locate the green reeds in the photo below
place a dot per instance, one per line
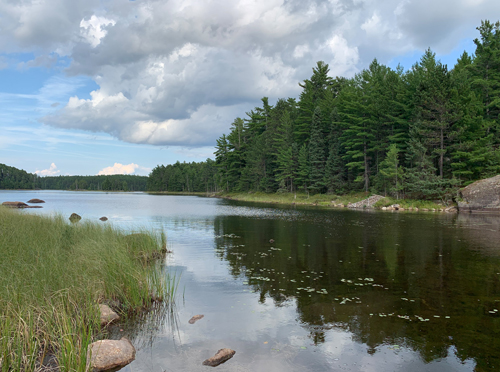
(53, 274)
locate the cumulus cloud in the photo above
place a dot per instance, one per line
(118, 168)
(178, 72)
(52, 171)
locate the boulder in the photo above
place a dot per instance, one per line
(367, 203)
(222, 356)
(34, 201)
(74, 217)
(195, 318)
(103, 218)
(15, 204)
(107, 315)
(108, 354)
(481, 196)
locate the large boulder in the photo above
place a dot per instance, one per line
(110, 354)
(481, 196)
(36, 201)
(367, 203)
(75, 217)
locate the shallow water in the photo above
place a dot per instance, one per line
(335, 290)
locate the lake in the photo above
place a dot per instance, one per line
(310, 289)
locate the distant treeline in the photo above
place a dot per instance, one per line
(420, 133)
(13, 178)
(185, 177)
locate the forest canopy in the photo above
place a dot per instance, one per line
(420, 133)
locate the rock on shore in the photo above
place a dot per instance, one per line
(108, 354)
(107, 315)
(15, 204)
(367, 203)
(33, 201)
(481, 196)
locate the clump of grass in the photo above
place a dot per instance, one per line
(53, 276)
(409, 203)
(298, 198)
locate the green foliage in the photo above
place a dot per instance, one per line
(55, 273)
(344, 135)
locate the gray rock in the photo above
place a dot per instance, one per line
(108, 354)
(107, 315)
(75, 217)
(223, 355)
(195, 318)
(481, 196)
(367, 203)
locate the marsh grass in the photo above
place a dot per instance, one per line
(53, 275)
(300, 198)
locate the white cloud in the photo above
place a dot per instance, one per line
(118, 168)
(52, 171)
(170, 73)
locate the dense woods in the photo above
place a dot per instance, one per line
(418, 133)
(185, 177)
(13, 178)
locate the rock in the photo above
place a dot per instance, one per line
(451, 210)
(384, 208)
(195, 318)
(36, 201)
(108, 354)
(222, 356)
(74, 217)
(367, 203)
(103, 218)
(15, 204)
(481, 196)
(107, 315)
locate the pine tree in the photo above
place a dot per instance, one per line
(303, 168)
(316, 154)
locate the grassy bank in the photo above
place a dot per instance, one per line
(54, 274)
(327, 200)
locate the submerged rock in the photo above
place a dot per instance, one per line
(103, 218)
(107, 315)
(223, 355)
(15, 204)
(481, 196)
(36, 201)
(75, 217)
(195, 318)
(108, 354)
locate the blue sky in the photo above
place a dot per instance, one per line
(113, 86)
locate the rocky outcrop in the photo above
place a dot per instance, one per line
(75, 217)
(103, 218)
(367, 203)
(481, 196)
(195, 318)
(107, 315)
(15, 204)
(34, 201)
(223, 355)
(109, 354)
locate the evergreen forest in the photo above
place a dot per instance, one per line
(420, 133)
(13, 178)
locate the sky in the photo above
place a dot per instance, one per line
(116, 86)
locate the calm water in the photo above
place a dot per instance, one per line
(336, 290)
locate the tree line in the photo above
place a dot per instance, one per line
(418, 133)
(13, 178)
(185, 177)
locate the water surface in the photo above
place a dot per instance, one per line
(308, 289)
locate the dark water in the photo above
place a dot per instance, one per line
(336, 290)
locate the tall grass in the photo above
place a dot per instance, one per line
(53, 274)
